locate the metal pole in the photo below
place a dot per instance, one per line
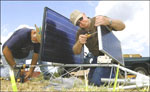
(131, 87)
(129, 81)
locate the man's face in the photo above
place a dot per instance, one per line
(83, 22)
(33, 37)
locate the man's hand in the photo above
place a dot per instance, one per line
(116, 24)
(28, 75)
(101, 20)
(33, 62)
(83, 38)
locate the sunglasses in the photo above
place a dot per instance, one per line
(78, 22)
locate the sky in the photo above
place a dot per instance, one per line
(135, 14)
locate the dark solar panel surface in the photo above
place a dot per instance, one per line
(58, 38)
(110, 45)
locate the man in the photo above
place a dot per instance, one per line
(22, 45)
(89, 25)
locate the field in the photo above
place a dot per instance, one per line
(39, 84)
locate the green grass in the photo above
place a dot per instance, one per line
(38, 84)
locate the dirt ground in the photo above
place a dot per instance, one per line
(36, 84)
(39, 84)
(28, 86)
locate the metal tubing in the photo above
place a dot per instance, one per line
(128, 81)
(131, 87)
(87, 65)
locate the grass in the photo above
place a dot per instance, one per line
(38, 84)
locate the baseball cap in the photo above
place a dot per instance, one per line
(75, 16)
(38, 33)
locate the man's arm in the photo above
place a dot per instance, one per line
(77, 48)
(117, 24)
(9, 57)
(33, 62)
(106, 21)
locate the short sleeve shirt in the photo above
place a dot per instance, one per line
(20, 43)
(92, 42)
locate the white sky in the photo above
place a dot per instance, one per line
(135, 14)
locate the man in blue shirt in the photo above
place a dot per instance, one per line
(22, 45)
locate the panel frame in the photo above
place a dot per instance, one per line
(100, 45)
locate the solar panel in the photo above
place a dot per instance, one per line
(109, 44)
(58, 38)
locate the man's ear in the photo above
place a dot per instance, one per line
(33, 31)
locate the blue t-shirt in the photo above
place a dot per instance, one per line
(20, 43)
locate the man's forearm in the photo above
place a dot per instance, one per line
(9, 57)
(117, 25)
(77, 48)
(34, 61)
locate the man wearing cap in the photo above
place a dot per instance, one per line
(89, 25)
(22, 45)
